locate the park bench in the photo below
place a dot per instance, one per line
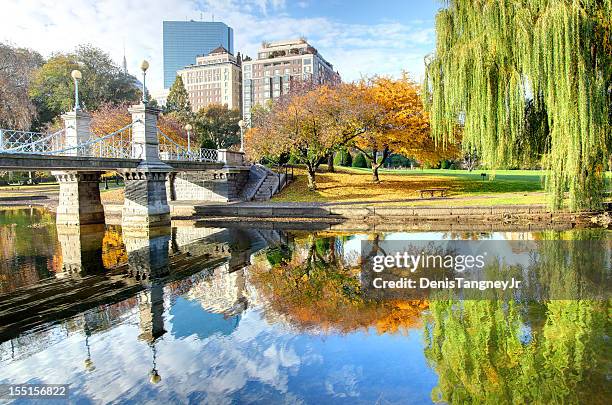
(432, 191)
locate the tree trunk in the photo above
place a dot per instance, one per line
(312, 184)
(375, 167)
(330, 163)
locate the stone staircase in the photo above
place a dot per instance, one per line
(268, 188)
(263, 183)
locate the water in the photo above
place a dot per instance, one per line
(202, 315)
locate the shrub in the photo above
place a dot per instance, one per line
(360, 161)
(343, 158)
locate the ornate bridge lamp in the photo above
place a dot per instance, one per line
(89, 365)
(144, 65)
(76, 76)
(188, 128)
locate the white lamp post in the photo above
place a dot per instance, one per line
(188, 128)
(76, 76)
(144, 65)
(241, 125)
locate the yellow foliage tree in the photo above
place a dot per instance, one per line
(403, 126)
(310, 123)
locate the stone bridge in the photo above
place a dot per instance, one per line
(155, 168)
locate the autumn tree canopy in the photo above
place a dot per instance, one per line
(16, 68)
(310, 123)
(402, 125)
(378, 116)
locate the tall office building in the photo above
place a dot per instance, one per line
(278, 65)
(214, 79)
(185, 40)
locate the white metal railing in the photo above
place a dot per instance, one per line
(118, 144)
(12, 141)
(170, 150)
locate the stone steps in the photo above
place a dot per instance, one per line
(256, 174)
(267, 188)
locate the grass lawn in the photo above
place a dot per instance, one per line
(400, 187)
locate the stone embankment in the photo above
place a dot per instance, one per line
(366, 217)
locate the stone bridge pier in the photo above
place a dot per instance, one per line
(79, 195)
(146, 202)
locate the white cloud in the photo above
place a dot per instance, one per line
(354, 49)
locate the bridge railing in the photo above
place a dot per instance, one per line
(118, 144)
(171, 150)
(13, 141)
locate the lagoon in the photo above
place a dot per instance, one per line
(244, 315)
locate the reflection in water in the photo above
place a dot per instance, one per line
(28, 248)
(81, 249)
(481, 355)
(193, 315)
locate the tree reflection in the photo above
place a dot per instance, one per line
(316, 291)
(498, 352)
(508, 351)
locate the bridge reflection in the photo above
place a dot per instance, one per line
(162, 263)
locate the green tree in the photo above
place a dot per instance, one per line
(360, 160)
(491, 57)
(178, 98)
(217, 126)
(343, 158)
(16, 67)
(104, 82)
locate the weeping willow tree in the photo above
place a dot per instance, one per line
(496, 58)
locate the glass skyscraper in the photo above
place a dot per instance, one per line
(184, 40)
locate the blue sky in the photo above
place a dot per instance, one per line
(365, 12)
(358, 37)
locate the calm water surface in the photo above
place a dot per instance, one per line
(214, 315)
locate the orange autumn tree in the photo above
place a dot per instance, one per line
(310, 123)
(402, 127)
